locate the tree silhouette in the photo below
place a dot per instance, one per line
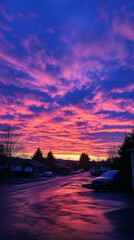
(128, 143)
(13, 143)
(84, 161)
(50, 158)
(38, 156)
(112, 152)
(2, 152)
(125, 157)
(4, 162)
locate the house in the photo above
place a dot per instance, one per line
(33, 168)
(3, 164)
(16, 164)
(25, 167)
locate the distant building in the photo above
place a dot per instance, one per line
(3, 164)
(16, 164)
(26, 167)
(34, 167)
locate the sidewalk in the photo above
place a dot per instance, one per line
(16, 181)
(123, 222)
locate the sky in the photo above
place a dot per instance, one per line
(67, 74)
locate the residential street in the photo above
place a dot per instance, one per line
(61, 209)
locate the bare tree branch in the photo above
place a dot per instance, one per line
(14, 144)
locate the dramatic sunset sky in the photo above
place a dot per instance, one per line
(67, 73)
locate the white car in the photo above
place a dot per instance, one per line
(78, 171)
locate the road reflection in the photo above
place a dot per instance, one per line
(57, 210)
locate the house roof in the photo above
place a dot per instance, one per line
(35, 163)
(3, 162)
(131, 150)
(16, 161)
(22, 162)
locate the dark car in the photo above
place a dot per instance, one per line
(110, 180)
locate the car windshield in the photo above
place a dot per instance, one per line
(110, 174)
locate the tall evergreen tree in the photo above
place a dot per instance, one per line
(128, 143)
(38, 156)
(125, 156)
(84, 161)
(50, 158)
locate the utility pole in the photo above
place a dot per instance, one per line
(132, 165)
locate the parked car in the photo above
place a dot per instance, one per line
(82, 170)
(110, 180)
(78, 171)
(48, 174)
(64, 172)
(72, 172)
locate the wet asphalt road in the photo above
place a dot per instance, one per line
(60, 209)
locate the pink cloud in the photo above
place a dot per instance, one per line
(40, 57)
(7, 16)
(65, 133)
(128, 88)
(42, 78)
(107, 50)
(119, 105)
(72, 67)
(5, 27)
(10, 17)
(124, 28)
(129, 105)
(31, 39)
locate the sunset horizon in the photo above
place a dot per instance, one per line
(72, 157)
(66, 119)
(66, 76)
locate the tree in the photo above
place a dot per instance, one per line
(125, 157)
(3, 161)
(2, 153)
(12, 143)
(128, 143)
(38, 156)
(84, 161)
(112, 152)
(50, 158)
